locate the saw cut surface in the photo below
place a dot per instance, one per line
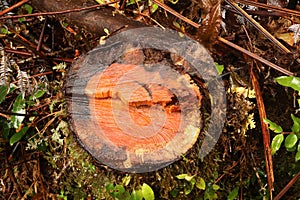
(136, 108)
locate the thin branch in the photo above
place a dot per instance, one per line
(173, 12)
(59, 12)
(41, 36)
(20, 114)
(270, 7)
(256, 57)
(13, 7)
(265, 131)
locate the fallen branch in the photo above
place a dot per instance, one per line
(265, 131)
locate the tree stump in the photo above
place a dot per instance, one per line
(134, 105)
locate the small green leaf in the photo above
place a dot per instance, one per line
(119, 190)
(233, 194)
(3, 92)
(289, 81)
(21, 19)
(220, 68)
(200, 184)
(37, 95)
(276, 143)
(296, 125)
(290, 141)
(18, 136)
(147, 192)
(188, 189)
(273, 126)
(4, 31)
(297, 157)
(181, 176)
(136, 195)
(110, 188)
(189, 178)
(28, 8)
(291, 149)
(18, 107)
(154, 8)
(215, 187)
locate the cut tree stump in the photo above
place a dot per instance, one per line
(133, 107)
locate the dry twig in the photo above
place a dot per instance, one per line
(173, 12)
(13, 7)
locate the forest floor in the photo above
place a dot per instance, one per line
(40, 157)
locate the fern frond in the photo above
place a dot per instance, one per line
(5, 70)
(22, 79)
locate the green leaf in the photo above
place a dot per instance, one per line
(296, 125)
(188, 189)
(181, 176)
(233, 194)
(154, 8)
(220, 68)
(21, 19)
(147, 192)
(28, 8)
(119, 189)
(136, 195)
(276, 143)
(289, 81)
(215, 187)
(291, 149)
(200, 184)
(110, 189)
(273, 126)
(37, 95)
(18, 136)
(4, 31)
(18, 107)
(297, 156)
(290, 141)
(189, 178)
(3, 92)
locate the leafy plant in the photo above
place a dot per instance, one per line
(25, 9)
(210, 192)
(119, 192)
(293, 138)
(191, 183)
(219, 68)
(290, 142)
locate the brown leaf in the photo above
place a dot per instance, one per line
(211, 22)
